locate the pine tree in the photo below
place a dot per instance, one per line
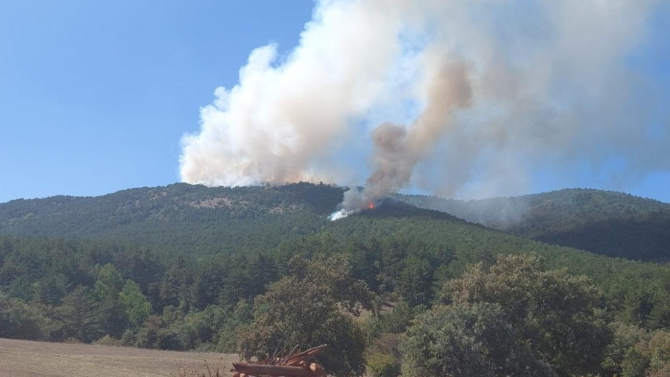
(80, 316)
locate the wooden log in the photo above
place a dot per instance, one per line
(317, 370)
(276, 370)
(302, 357)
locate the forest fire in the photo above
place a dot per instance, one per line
(358, 207)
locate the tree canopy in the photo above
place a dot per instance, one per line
(306, 309)
(543, 318)
(251, 270)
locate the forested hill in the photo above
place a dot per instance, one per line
(218, 269)
(180, 217)
(603, 222)
(194, 219)
(189, 219)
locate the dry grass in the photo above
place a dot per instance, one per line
(218, 370)
(19, 358)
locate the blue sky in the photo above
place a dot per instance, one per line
(95, 95)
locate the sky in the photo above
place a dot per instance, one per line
(95, 96)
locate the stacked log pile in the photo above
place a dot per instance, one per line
(292, 365)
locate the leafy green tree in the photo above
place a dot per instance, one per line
(636, 352)
(207, 285)
(395, 321)
(109, 282)
(173, 330)
(334, 275)
(80, 316)
(22, 288)
(636, 362)
(621, 352)
(262, 272)
(233, 325)
(463, 340)
(141, 266)
(172, 289)
(558, 314)
(51, 289)
(19, 320)
(237, 281)
(108, 285)
(136, 305)
(383, 365)
(153, 334)
(113, 316)
(415, 282)
(659, 350)
(304, 310)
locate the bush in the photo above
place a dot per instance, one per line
(468, 340)
(108, 341)
(559, 314)
(305, 309)
(21, 321)
(387, 344)
(71, 340)
(383, 365)
(394, 322)
(128, 339)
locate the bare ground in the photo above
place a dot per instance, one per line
(20, 358)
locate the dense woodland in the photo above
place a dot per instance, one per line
(603, 222)
(395, 290)
(194, 219)
(180, 218)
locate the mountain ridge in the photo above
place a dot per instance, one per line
(605, 222)
(182, 217)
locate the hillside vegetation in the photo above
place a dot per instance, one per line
(603, 222)
(254, 269)
(179, 218)
(194, 219)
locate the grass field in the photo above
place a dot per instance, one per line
(19, 358)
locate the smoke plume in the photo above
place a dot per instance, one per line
(464, 98)
(398, 149)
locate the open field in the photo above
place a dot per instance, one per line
(19, 358)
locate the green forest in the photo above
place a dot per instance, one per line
(603, 222)
(398, 290)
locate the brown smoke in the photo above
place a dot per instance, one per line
(397, 150)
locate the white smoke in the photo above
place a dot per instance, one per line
(473, 98)
(341, 214)
(282, 121)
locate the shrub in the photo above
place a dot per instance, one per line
(383, 365)
(108, 341)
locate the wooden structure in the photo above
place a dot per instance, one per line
(292, 365)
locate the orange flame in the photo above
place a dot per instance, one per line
(371, 205)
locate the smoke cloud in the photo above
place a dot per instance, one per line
(460, 98)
